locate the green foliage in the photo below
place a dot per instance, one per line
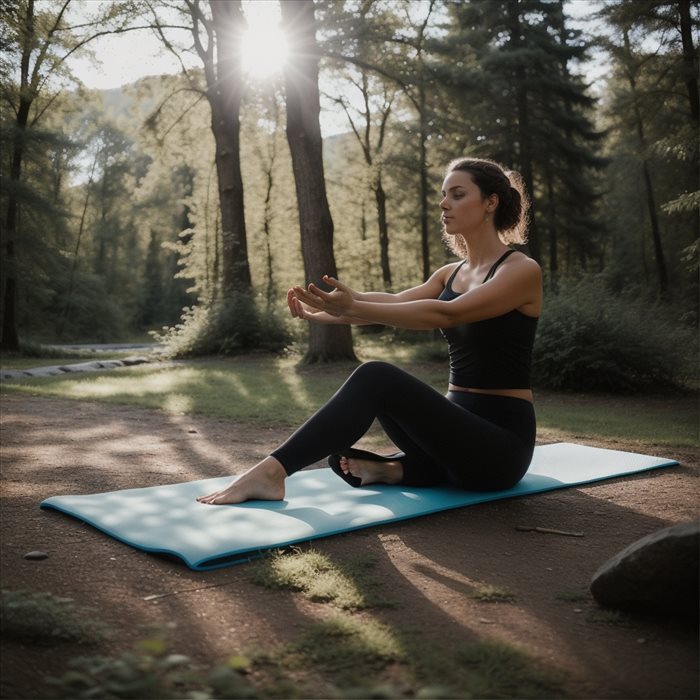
(591, 339)
(230, 326)
(152, 673)
(43, 618)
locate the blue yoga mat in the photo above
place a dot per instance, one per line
(168, 519)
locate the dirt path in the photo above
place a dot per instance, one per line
(52, 447)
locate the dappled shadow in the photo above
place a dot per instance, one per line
(430, 565)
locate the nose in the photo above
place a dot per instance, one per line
(443, 203)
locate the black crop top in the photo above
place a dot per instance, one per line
(495, 353)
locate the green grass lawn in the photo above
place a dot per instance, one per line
(275, 390)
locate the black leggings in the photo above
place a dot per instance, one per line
(474, 441)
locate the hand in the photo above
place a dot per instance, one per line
(337, 303)
(304, 312)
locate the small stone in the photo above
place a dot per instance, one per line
(549, 568)
(36, 555)
(578, 610)
(484, 621)
(641, 640)
(191, 430)
(656, 574)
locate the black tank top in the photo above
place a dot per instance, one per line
(495, 353)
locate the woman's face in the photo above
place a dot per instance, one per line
(463, 206)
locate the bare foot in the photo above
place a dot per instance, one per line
(373, 472)
(264, 481)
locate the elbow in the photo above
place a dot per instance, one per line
(448, 317)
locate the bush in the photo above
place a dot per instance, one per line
(590, 339)
(152, 673)
(42, 618)
(231, 326)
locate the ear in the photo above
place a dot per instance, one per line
(492, 204)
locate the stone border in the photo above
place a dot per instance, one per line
(54, 370)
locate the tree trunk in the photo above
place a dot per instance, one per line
(525, 148)
(690, 61)
(553, 242)
(10, 336)
(423, 175)
(326, 343)
(380, 197)
(224, 94)
(646, 174)
(690, 64)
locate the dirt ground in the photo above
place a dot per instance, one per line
(52, 447)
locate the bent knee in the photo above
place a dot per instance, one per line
(374, 370)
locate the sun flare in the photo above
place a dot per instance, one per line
(264, 44)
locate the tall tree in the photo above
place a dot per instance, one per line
(511, 80)
(39, 39)
(654, 94)
(326, 342)
(224, 88)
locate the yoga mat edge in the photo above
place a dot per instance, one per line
(377, 500)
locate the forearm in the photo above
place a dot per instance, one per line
(422, 314)
(327, 319)
(377, 297)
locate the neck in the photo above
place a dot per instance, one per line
(484, 247)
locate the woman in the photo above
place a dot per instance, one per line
(481, 435)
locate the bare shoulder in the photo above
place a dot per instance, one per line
(524, 265)
(443, 273)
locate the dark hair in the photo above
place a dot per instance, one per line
(511, 215)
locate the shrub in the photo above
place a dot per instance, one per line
(151, 673)
(42, 618)
(590, 339)
(231, 326)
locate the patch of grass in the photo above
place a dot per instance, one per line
(493, 669)
(350, 645)
(43, 618)
(348, 586)
(345, 653)
(243, 389)
(487, 593)
(608, 617)
(276, 390)
(572, 596)
(660, 420)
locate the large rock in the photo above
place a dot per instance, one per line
(657, 574)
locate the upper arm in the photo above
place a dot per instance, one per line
(517, 284)
(430, 289)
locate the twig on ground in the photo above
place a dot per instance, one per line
(547, 531)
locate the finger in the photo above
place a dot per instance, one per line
(309, 298)
(335, 283)
(292, 303)
(316, 291)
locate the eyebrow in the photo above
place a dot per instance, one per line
(454, 187)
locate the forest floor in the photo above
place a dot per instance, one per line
(429, 567)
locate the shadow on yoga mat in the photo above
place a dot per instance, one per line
(168, 519)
